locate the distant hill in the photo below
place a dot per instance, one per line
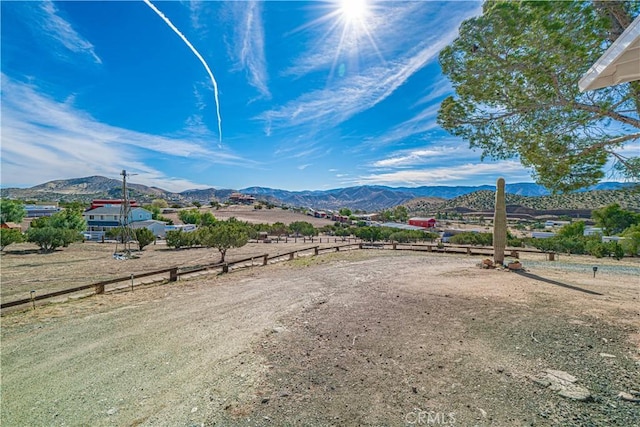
(367, 198)
(581, 203)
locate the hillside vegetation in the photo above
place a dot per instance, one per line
(484, 201)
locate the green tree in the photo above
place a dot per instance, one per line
(613, 219)
(69, 218)
(12, 211)
(155, 211)
(345, 212)
(190, 216)
(144, 237)
(302, 228)
(197, 204)
(401, 214)
(206, 219)
(50, 238)
(631, 242)
(60, 229)
(182, 239)
(278, 229)
(9, 236)
(575, 229)
(224, 236)
(159, 203)
(515, 70)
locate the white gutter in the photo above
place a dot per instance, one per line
(619, 64)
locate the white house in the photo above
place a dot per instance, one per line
(105, 218)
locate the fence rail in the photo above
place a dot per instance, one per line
(176, 272)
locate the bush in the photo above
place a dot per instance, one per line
(180, 239)
(9, 236)
(144, 236)
(50, 238)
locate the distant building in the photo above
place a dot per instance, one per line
(157, 227)
(242, 199)
(100, 203)
(178, 227)
(399, 226)
(423, 222)
(38, 211)
(107, 217)
(11, 226)
(339, 218)
(591, 231)
(542, 234)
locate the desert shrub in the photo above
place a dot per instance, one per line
(9, 236)
(182, 239)
(144, 236)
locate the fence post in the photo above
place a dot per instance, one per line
(394, 246)
(291, 255)
(264, 259)
(469, 250)
(360, 245)
(429, 248)
(225, 268)
(315, 250)
(99, 289)
(173, 274)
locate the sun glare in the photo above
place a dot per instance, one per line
(353, 10)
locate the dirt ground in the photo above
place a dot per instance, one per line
(24, 269)
(258, 216)
(347, 339)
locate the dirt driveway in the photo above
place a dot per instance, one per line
(358, 338)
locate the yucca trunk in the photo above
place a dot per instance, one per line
(499, 224)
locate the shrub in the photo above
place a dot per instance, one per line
(144, 236)
(9, 236)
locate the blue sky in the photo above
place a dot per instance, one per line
(311, 95)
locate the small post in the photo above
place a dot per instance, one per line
(132, 283)
(33, 299)
(291, 255)
(99, 289)
(468, 250)
(594, 270)
(225, 268)
(315, 250)
(394, 246)
(173, 274)
(264, 259)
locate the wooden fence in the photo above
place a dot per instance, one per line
(175, 272)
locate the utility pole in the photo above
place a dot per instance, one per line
(127, 234)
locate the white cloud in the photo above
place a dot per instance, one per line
(249, 48)
(303, 167)
(63, 32)
(355, 94)
(441, 87)
(43, 140)
(407, 53)
(417, 157)
(470, 173)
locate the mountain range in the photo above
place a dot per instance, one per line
(367, 198)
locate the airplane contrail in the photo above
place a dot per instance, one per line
(196, 53)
